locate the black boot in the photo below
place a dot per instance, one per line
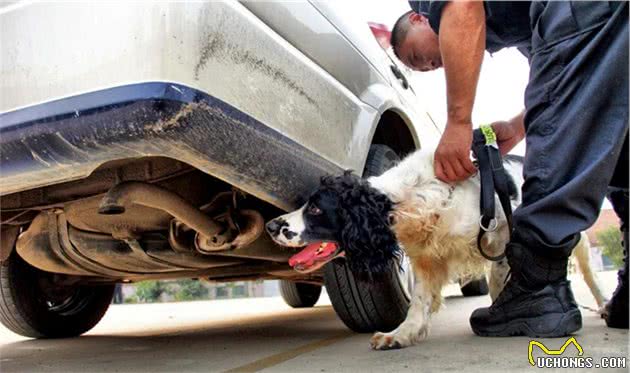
(536, 301)
(616, 314)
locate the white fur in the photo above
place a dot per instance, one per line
(449, 218)
(437, 224)
(296, 225)
(416, 326)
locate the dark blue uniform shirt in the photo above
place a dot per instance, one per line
(507, 22)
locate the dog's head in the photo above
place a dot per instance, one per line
(345, 216)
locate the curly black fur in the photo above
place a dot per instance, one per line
(365, 234)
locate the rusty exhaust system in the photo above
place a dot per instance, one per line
(211, 235)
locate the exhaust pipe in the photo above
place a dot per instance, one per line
(210, 235)
(153, 196)
(254, 224)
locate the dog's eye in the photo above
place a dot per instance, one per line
(314, 210)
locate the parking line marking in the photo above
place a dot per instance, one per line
(281, 357)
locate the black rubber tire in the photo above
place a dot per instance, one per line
(475, 288)
(363, 308)
(23, 307)
(299, 294)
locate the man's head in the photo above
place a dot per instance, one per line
(415, 43)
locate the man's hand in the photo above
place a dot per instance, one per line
(509, 133)
(462, 42)
(452, 157)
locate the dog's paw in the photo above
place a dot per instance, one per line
(399, 338)
(385, 341)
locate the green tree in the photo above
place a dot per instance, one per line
(610, 241)
(149, 291)
(132, 299)
(190, 289)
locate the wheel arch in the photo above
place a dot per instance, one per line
(395, 130)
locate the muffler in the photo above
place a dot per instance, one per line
(52, 245)
(252, 229)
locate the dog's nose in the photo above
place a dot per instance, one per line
(273, 227)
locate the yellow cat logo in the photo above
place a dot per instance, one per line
(553, 352)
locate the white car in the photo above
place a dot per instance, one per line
(153, 140)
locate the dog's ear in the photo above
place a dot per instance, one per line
(370, 245)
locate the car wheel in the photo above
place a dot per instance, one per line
(32, 305)
(475, 287)
(375, 307)
(299, 294)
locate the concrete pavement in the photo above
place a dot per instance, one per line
(264, 334)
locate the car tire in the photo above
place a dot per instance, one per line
(370, 307)
(299, 294)
(475, 288)
(31, 308)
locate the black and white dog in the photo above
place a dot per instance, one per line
(372, 221)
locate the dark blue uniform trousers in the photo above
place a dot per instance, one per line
(576, 121)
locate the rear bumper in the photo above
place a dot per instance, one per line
(67, 139)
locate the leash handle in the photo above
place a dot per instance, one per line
(492, 179)
(485, 175)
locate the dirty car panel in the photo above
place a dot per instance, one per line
(153, 140)
(79, 133)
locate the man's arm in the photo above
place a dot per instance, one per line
(509, 133)
(462, 43)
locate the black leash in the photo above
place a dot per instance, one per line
(493, 179)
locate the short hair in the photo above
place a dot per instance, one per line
(399, 32)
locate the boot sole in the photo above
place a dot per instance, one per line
(545, 326)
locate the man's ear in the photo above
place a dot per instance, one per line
(416, 18)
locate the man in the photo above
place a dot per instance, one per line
(576, 128)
